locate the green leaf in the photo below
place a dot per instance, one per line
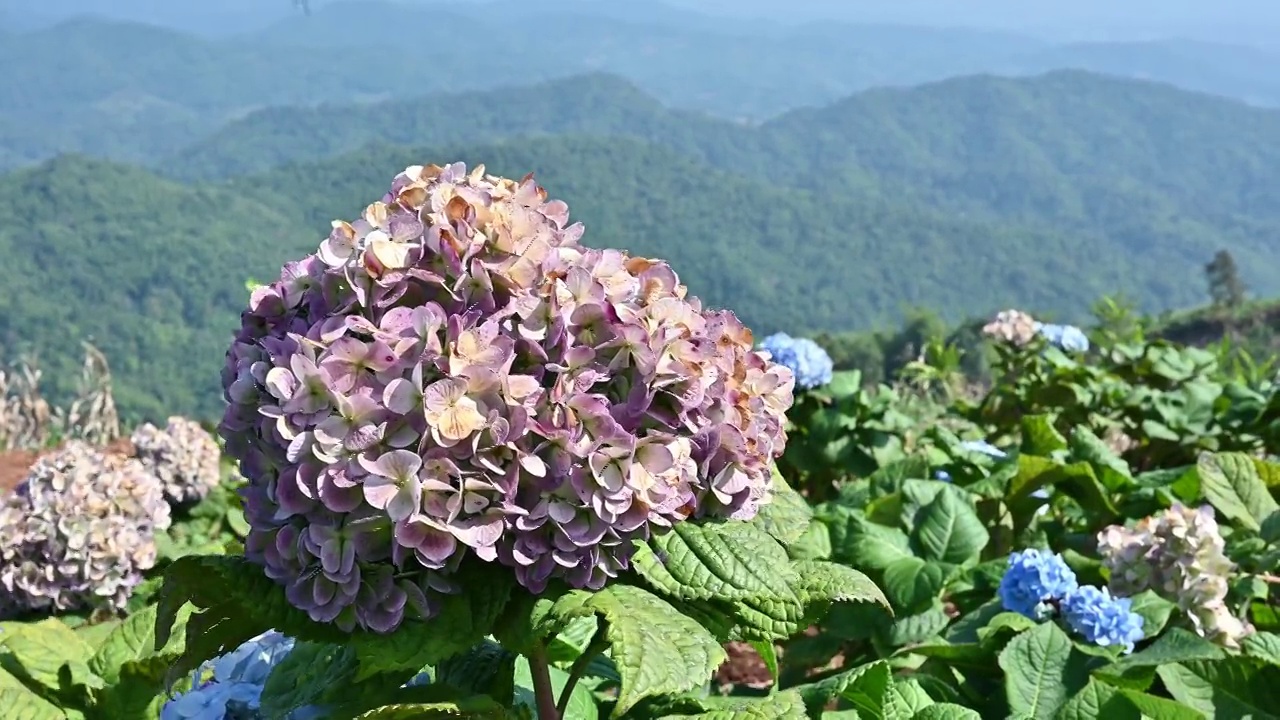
(1177, 645)
(1228, 689)
(787, 515)
(1038, 675)
(305, 675)
(1158, 708)
(1264, 646)
(871, 680)
(946, 711)
(1231, 483)
(134, 639)
(38, 651)
(861, 543)
(139, 690)
(785, 705)
(478, 708)
(238, 602)
(1040, 437)
(949, 530)
(22, 704)
(814, 544)
(581, 704)
(657, 650)
(487, 669)
(717, 560)
(918, 628)
(904, 698)
(463, 620)
(1155, 612)
(821, 581)
(913, 584)
(1097, 700)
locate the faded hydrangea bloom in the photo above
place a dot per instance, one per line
(183, 455)
(1012, 326)
(806, 359)
(1179, 554)
(454, 375)
(79, 532)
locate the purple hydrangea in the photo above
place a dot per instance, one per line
(453, 375)
(1035, 580)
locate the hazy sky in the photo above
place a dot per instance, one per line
(1248, 20)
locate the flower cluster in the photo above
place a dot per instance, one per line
(806, 359)
(1066, 337)
(1179, 554)
(1039, 583)
(79, 531)
(1102, 619)
(1012, 326)
(183, 455)
(453, 375)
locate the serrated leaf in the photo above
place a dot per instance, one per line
(814, 544)
(875, 675)
(462, 621)
(1097, 700)
(236, 602)
(718, 560)
(946, 711)
(1155, 612)
(1038, 676)
(787, 515)
(949, 530)
(38, 651)
(1158, 708)
(912, 629)
(913, 584)
(479, 708)
(1228, 689)
(22, 704)
(657, 650)
(132, 640)
(785, 705)
(487, 669)
(304, 675)
(1264, 646)
(821, 581)
(1040, 437)
(904, 698)
(860, 543)
(1231, 483)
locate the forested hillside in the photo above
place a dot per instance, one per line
(140, 93)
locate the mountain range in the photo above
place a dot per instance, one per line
(966, 195)
(140, 93)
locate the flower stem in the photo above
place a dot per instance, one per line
(595, 647)
(543, 693)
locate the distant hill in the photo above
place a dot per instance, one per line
(139, 93)
(151, 271)
(154, 272)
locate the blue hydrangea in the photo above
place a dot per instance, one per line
(942, 475)
(805, 358)
(1035, 579)
(1102, 619)
(1067, 337)
(984, 447)
(234, 689)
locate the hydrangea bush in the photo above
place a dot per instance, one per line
(453, 375)
(79, 532)
(808, 362)
(183, 455)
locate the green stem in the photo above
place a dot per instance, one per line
(543, 693)
(595, 647)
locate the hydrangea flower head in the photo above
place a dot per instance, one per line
(80, 533)
(1066, 337)
(230, 687)
(1014, 327)
(942, 475)
(1035, 579)
(1181, 555)
(810, 364)
(453, 375)
(183, 455)
(1102, 619)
